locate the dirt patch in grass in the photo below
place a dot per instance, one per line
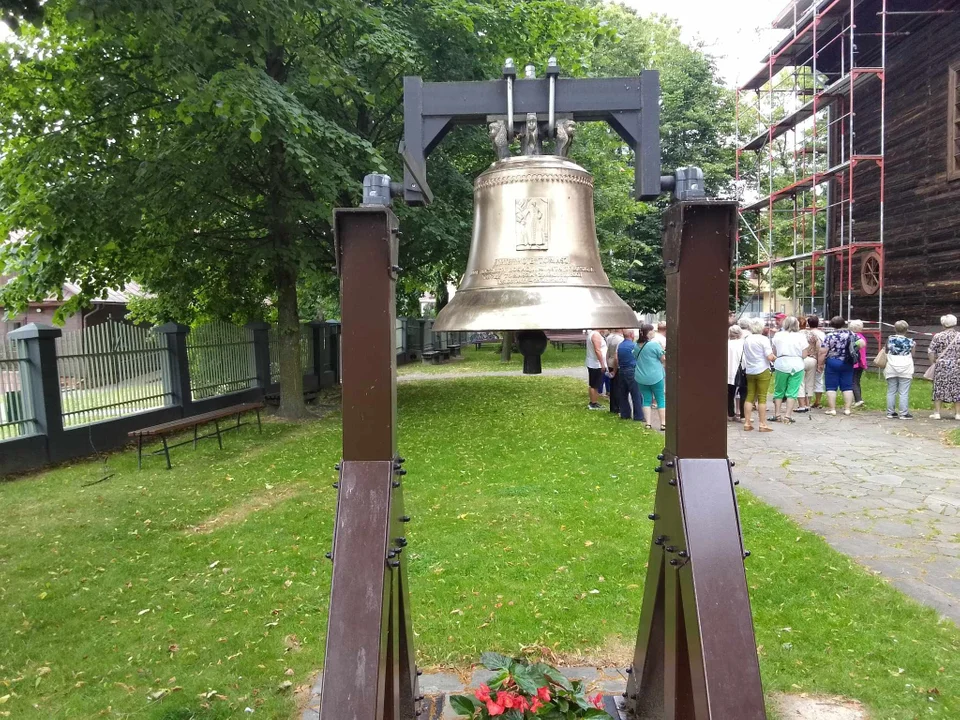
(818, 707)
(238, 513)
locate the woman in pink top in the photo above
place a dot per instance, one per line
(856, 327)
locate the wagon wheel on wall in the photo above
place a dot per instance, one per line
(870, 273)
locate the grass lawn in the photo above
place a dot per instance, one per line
(487, 359)
(196, 593)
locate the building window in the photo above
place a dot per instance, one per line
(953, 123)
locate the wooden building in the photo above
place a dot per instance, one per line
(885, 95)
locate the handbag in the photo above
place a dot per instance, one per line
(928, 375)
(881, 359)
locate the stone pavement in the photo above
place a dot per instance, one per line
(436, 687)
(885, 492)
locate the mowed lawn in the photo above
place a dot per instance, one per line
(200, 592)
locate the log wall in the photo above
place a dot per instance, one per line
(922, 207)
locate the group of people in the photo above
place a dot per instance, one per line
(800, 360)
(628, 364)
(804, 363)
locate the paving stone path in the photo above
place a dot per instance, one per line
(885, 492)
(437, 687)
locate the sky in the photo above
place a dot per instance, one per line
(737, 33)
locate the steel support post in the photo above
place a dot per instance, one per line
(369, 668)
(696, 656)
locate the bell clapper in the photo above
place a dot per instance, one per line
(532, 343)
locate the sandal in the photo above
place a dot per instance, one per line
(766, 429)
(747, 427)
(648, 426)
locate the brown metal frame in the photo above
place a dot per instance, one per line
(369, 671)
(696, 653)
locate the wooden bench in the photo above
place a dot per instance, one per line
(174, 426)
(560, 341)
(436, 357)
(485, 338)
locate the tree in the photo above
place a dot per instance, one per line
(199, 146)
(696, 128)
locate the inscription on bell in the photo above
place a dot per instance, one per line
(533, 271)
(533, 223)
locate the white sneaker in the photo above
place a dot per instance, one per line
(845, 412)
(858, 403)
(830, 412)
(935, 416)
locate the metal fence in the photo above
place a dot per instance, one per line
(220, 357)
(14, 420)
(306, 351)
(110, 370)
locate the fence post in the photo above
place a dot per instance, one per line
(260, 353)
(176, 371)
(333, 349)
(40, 380)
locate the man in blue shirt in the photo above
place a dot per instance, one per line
(629, 389)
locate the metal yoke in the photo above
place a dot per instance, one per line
(696, 656)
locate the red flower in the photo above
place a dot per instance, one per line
(520, 703)
(482, 693)
(535, 705)
(544, 693)
(506, 699)
(494, 708)
(597, 701)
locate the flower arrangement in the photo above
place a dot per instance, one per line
(522, 690)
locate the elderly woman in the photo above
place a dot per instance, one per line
(856, 327)
(945, 356)
(757, 356)
(650, 374)
(734, 372)
(835, 354)
(789, 346)
(899, 371)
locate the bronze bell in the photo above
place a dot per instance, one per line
(534, 260)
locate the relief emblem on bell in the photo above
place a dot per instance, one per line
(533, 224)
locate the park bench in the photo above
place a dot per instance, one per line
(163, 430)
(436, 357)
(560, 341)
(485, 338)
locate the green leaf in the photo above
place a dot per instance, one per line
(526, 680)
(554, 675)
(464, 705)
(495, 661)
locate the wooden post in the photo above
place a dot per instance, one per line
(369, 670)
(696, 656)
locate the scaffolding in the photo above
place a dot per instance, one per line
(805, 170)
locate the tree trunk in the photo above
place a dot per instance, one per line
(507, 346)
(282, 239)
(292, 406)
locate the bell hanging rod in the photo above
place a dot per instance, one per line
(630, 105)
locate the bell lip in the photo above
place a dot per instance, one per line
(485, 309)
